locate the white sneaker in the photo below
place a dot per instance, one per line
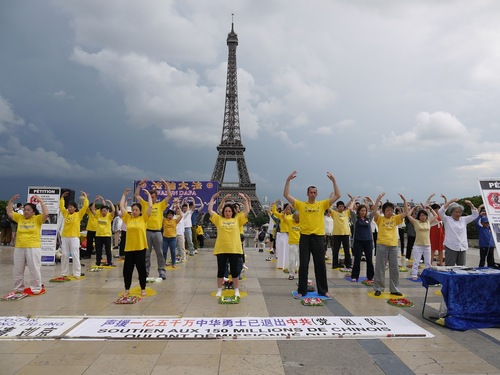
(219, 293)
(236, 293)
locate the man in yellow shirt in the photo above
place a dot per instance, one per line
(312, 233)
(154, 224)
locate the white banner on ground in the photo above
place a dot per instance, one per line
(273, 328)
(490, 191)
(50, 196)
(19, 327)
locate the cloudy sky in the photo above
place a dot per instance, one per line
(389, 95)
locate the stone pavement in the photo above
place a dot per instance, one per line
(187, 292)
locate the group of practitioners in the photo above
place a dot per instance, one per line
(311, 236)
(147, 226)
(151, 226)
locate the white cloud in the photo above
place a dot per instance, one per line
(432, 130)
(341, 126)
(7, 117)
(484, 164)
(61, 94)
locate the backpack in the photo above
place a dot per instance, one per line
(262, 236)
(5, 222)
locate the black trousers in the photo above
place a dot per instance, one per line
(359, 248)
(235, 264)
(409, 246)
(312, 244)
(101, 242)
(90, 243)
(337, 241)
(123, 238)
(135, 259)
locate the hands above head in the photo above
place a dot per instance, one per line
(292, 176)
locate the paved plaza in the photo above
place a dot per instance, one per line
(188, 292)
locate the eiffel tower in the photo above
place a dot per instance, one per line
(231, 149)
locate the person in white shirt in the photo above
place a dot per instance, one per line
(455, 231)
(328, 222)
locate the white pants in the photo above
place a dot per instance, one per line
(417, 253)
(282, 249)
(293, 258)
(70, 245)
(32, 257)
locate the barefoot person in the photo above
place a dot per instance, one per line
(27, 250)
(136, 242)
(228, 244)
(312, 232)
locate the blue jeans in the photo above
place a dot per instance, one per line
(169, 242)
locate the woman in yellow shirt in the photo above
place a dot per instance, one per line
(70, 235)
(228, 244)
(27, 250)
(136, 242)
(170, 233)
(103, 232)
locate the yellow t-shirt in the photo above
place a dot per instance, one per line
(387, 234)
(341, 223)
(136, 232)
(103, 224)
(92, 221)
(199, 230)
(28, 230)
(72, 221)
(228, 234)
(286, 221)
(243, 220)
(156, 218)
(422, 231)
(311, 216)
(294, 233)
(169, 227)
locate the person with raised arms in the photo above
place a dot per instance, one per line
(228, 243)
(27, 249)
(153, 232)
(312, 233)
(135, 242)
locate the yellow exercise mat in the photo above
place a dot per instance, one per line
(73, 278)
(136, 292)
(385, 295)
(171, 268)
(229, 293)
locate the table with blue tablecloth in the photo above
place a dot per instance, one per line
(472, 297)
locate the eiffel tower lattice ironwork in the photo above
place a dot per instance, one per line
(231, 148)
